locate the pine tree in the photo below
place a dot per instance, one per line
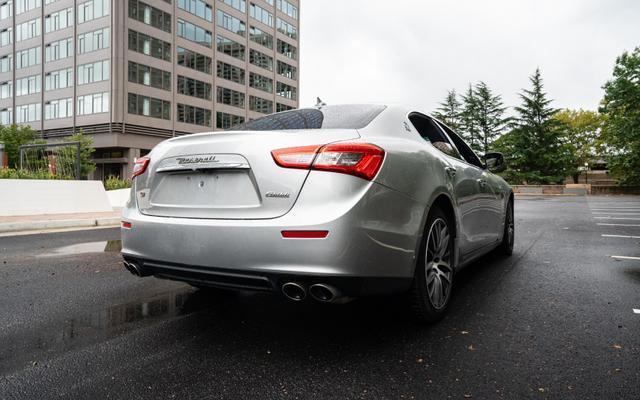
(489, 111)
(469, 119)
(534, 149)
(449, 110)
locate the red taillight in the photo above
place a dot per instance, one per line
(305, 234)
(126, 225)
(359, 159)
(140, 166)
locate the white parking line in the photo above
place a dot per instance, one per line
(603, 224)
(615, 213)
(633, 218)
(622, 236)
(625, 258)
(636, 311)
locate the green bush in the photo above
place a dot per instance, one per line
(114, 183)
(10, 173)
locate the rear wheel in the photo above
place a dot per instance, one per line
(433, 278)
(506, 247)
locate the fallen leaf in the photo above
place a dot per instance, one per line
(419, 360)
(464, 332)
(471, 348)
(541, 390)
(617, 346)
(467, 396)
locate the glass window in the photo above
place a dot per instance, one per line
(226, 121)
(287, 8)
(193, 115)
(286, 28)
(260, 105)
(287, 70)
(150, 46)
(93, 72)
(6, 9)
(6, 116)
(288, 50)
(6, 63)
(462, 147)
(260, 59)
(148, 106)
(193, 60)
(286, 91)
(261, 82)
(328, 117)
(149, 76)
(6, 37)
(92, 41)
(198, 8)
(6, 90)
(230, 23)
(26, 5)
(28, 113)
(59, 79)
(28, 85)
(240, 5)
(260, 14)
(193, 87)
(231, 72)
(95, 103)
(283, 107)
(261, 37)
(230, 97)
(60, 108)
(26, 58)
(92, 9)
(58, 50)
(194, 33)
(28, 30)
(58, 20)
(149, 15)
(230, 47)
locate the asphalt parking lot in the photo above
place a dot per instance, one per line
(560, 319)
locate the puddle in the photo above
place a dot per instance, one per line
(85, 248)
(20, 348)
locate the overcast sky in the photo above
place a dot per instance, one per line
(412, 52)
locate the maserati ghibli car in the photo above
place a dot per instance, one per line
(329, 203)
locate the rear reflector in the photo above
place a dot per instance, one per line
(126, 225)
(358, 159)
(140, 166)
(305, 234)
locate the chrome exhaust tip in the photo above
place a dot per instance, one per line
(324, 293)
(133, 268)
(294, 291)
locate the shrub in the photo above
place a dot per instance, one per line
(114, 183)
(10, 173)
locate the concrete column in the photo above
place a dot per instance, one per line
(127, 169)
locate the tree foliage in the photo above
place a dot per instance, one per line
(490, 118)
(534, 149)
(14, 136)
(449, 111)
(621, 104)
(582, 130)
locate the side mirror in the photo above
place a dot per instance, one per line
(494, 162)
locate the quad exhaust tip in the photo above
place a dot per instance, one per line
(133, 268)
(294, 291)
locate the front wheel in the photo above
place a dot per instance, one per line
(433, 278)
(508, 236)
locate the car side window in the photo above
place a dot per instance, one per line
(428, 129)
(465, 151)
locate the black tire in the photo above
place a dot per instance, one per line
(425, 309)
(508, 235)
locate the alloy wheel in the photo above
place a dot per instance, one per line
(438, 269)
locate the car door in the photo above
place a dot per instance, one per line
(487, 217)
(464, 181)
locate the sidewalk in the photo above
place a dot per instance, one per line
(59, 221)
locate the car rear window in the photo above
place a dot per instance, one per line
(326, 117)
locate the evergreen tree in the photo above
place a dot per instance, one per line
(449, 111)
(469, 119)
(621, 104)
(489, 111)
(534, 149)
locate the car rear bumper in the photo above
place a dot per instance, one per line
(370, 247)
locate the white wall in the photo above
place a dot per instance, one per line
(33, 197)
(118, 198)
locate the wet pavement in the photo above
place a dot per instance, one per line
(555, 320)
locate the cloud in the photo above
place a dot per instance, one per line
(412, 52)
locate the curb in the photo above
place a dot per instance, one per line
(548, 194)
(57, 224)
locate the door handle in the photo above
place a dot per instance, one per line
(450, 171)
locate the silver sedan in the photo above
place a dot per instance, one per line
(331, 203)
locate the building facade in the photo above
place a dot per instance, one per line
(132, 73)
